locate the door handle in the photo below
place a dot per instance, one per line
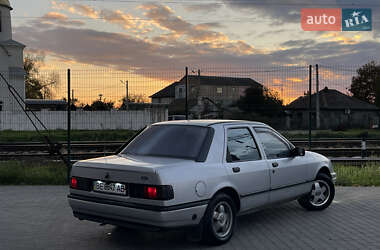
(274, 164)
(236, 169)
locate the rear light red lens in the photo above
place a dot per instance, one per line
(150, 192)
(153, 192)
(74, 182)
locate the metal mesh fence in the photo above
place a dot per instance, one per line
(106, 104)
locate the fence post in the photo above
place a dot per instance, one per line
(186, 96)
(310, 89)
(317, 111)
(68, 123)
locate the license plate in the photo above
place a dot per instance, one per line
(111, 188)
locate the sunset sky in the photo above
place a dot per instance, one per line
(150, 42)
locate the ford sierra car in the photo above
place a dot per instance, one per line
(199, 174)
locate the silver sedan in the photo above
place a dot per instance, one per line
(199, 174)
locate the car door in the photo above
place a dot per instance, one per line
(247, 169)
(287, 174)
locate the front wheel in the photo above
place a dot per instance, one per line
(321, 195)
(219, 220)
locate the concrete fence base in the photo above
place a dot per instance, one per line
(84, 120)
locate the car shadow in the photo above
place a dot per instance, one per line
(173, 239)
(258, 222)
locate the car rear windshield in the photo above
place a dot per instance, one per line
(178, 141)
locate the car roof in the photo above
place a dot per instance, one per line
(206, 123)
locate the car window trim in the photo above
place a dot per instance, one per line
(286, 141)
(254, 140)
(279, 136)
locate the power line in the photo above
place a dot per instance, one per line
(247, 2)
(149, 19)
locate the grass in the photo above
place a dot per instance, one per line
(55, 173)
(32, 173)
(61, 135)
(367, 175)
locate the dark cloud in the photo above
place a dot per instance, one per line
(279, 12)
(288, 11)
(298, 43)
(123, 51)
(207, 7)
(114, 49)
(210, 25)
(376, 24)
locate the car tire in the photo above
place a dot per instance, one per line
(321, 194)
(219, 220)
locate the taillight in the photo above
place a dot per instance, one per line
(150, 192)
(74, 182)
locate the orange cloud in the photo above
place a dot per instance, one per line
(59, 18)
(165, 18)
(342, 39)
(294, 79)
(126, 21)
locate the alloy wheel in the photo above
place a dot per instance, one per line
(222, 219)
(320, 193)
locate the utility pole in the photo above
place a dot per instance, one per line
(317, 118)
(68, 123)
(126, 93)
(72, 97)
(186, 96)
(310, 89)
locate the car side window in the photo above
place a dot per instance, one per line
(241, 146)
(274, 146)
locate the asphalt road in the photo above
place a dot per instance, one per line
(38, 217)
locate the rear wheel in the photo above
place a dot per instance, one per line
(219, 220)
(321, 195)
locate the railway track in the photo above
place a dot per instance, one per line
(331, 147)
(42, 147)
(327, 142)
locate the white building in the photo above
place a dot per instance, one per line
(11, 60)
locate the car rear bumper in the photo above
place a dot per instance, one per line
(135, 216)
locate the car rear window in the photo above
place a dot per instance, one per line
(179, 141)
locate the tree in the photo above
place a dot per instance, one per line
(35, 86)
(73, 103)
(261, 101)
(366, 84)
(132, 98)
(100, 105)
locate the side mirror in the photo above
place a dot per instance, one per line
(297, 152)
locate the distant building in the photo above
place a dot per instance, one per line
(11, 60)
(165, 95)
(337, 110)
(210, 91)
